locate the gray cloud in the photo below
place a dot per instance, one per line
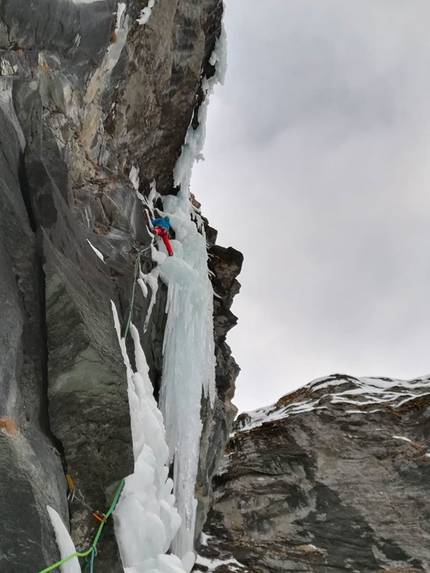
(317, 170)
(297, 60)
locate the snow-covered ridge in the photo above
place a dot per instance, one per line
(359, 395)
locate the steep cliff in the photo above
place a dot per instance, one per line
(333, 477)
(101, 103)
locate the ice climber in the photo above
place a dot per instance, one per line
(161, 228)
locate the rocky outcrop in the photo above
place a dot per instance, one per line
(333, 477)
(95, 103)
(30, 467)
(224, 265)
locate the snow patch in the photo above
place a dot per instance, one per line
(64, 542)
(151, 280)
(365, 392)
(97, 252)
(224, 464)
(102, 76)
(362, 411)
(134, 177)
(153, 193)
(272, 414)
(212, 564)
(146, 13)
(204, 539)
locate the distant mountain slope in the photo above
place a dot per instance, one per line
(332, 478)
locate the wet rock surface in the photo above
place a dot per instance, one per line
(330, 478)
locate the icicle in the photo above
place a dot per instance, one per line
(64, 542)
(152, 280)
(188, 348)
(188, 371)
(145, 518)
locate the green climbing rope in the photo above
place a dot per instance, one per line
(90, 553)
(100, 529)
(136, 272)
(77, 554)
(92, 548)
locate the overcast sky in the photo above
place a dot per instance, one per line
(318, 169)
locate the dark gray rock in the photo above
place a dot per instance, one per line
(73, 36)
(31, 479)
(224, 265)
(30, 470)
(331, 478)
(88, 401)
(11, 332)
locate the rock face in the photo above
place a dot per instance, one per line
(331, 478)
(30, 468)
(96, 98)
(225, 265)
(95, 103)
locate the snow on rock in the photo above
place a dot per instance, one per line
(320, 486)
(64, 542)
(146, 13)
(195, 138)
(204, 540)
(97, 252)
(134, 177)
(145, 518)
(213, 564)
(158, 256)
(150, 280)
(340, 389)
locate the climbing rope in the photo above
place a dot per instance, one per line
(75, 494)
(93, 547)
(100, 529)
(136, 272)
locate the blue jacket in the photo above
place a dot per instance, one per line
(161, 222)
